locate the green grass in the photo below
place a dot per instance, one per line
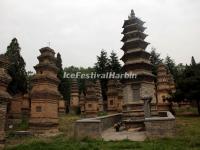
(187, 138)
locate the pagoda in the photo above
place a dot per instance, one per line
(120, 96)
(44, 94)
(82, 103)
(61, 107)
(165, 86)
(4, 97)
(99, 96)
(112, 96)
(136, 61)
(91, 100)
(74, 99)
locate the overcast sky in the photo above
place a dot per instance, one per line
(79, 29)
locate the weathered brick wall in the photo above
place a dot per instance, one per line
(93, 127)
(2, 124)
(160, 127)
(88, 128)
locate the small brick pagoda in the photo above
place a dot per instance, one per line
(61, 107)
(120, 96)
(136, 61)
(91, 100)
(74, 99)
(4, 97)
(82, 103)
(99, 96)
(165, 86)
(112, 96)
(45, 94)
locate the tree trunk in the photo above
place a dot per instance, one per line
(198, 106)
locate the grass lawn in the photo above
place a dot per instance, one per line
(187, 138)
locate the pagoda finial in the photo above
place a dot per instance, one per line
(132, 15)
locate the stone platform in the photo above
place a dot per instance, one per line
(132, 135)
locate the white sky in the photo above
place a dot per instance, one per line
(79, 29)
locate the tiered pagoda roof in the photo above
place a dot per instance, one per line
(74, 87)
(112, 88)
(136, 59)
(43, 76)
(90, 91)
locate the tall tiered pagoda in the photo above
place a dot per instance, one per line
(162, 87)
(136, 61)
(45, 94)
(74, 99)
(99, 95)
(165, 86)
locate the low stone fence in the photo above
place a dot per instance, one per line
(93, 127)
(160, 127)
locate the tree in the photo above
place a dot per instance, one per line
(169, 62)
(16, 69)
(155, 60)
(193, 62)
(188, 86)
(102, 66)
(63, 86)
(114, 64)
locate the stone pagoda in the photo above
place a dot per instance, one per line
(120, 96)
(4, 97)
(99, 96)
(91, 100)
(61, 107)
(82, 103)
(112, 96)
(74, 99)
(136, 61)
(45, 94)
(165, 86)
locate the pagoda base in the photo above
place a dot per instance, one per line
(163, 106)
(74, 110)
(112, 111)
(61, 111)
(90, 114)
(43, 126)
(133, 115)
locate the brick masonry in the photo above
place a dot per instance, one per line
(93, 127)
(160, 127)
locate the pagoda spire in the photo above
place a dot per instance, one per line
(132, 15)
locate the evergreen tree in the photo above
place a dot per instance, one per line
(63, 86)
(114, 64)
(188, 85)
(17, 69)
(102, 66)
(169, 62)
(155, 60)
(193, 62)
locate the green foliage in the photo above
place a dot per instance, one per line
(23, 125)
(187, 137)
(188, 85)
(17, 69)
(81, 82)
(114, 64)
(102, 113)
(102, 66)
(155, 60)
(170, 63)
(63, 86)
